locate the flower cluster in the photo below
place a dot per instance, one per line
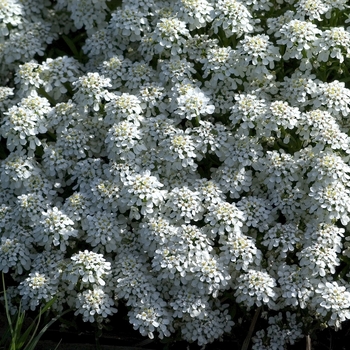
(170, 155)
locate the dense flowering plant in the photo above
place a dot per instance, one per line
(189, 158)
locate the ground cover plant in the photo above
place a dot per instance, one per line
(187, 158)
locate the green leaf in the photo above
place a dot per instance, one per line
(36, 321)
(71, 45)
(6, 306)
(16, 338)
(35, 324)
(35, 341)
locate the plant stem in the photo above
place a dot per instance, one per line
(251, 329)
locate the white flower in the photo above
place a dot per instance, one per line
(194, 238)
(247, 112)
(224, 217)
(179, 150)
(23, 44)
(183, 203)
(259, 5)
(142, 190)
(318, 260)
(105, 194)
(221, 64)
(55, 228)
(129, 23)
(28, 76)
(208, 274)
(274, 24)
(295, 285)
(22, 123)
(86, 268)
(101, 45)
(209, 325)
(152, 101)
(85, 171)
(300, 38)
(77, 205)
(332, 200)
(327, 166)
(149, 315)
(327, 235)
(257, 211)
(198, 46)
(233, 17)
(123, 107)
(282, 239)
(115, 68)
(156, 230)
(313, 9)
(170, 36)
(16, 169)
(255, 287)
(74, 143)
(103, 230)
(238, 150)
(5, 98)
(280, 332)
(332, 303)
(185, 300)
(123, 141)
(132, 278)
(259, 51)
(14, 255)
(240, 252)
(299, 89)
(11, 12)
(6, 216)
(194, 104)
(87, 13)
(210, 191)
(57, 72)
(175, 70)
(62, 116)
(91, 91)
(263, 85)
(280, 115)
(197, 13)
(49, 263)
(334, 43)
(30, 206)
(335, 98)
(233, 180)
(176, 161)
(281, 169)
(56, 162)
(37, 288)
(139, 73)
(94, 305)
(171, 263)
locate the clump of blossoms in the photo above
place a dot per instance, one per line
(189, 159)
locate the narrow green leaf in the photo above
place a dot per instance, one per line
(71, 45)
(16, 337)
(26, 334)
(6, 305)
(36, 322)
(35, 341)
(58, 345)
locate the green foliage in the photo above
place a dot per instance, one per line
(15, 336)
